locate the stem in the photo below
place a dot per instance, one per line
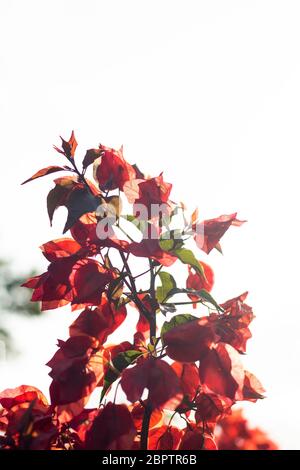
(145, 427)
(80, 175)
(152, 323)
(135, 296)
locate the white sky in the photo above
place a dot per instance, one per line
(207, 91)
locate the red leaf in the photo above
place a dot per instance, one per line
(59, 195)
(221, 371)
(90, 156)
(44, 172)
(68, 147)
(158, 377)
(112, 429)
(189, 342)
(209, 232)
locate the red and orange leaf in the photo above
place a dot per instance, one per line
(68, 147)
(44, 172)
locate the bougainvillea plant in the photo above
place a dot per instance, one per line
(177, 373)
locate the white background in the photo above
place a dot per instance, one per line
(209, 92)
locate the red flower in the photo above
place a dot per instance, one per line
(221, 371)
(189, 378)
(153, 191)
(28, 419)
(209, 232)
(195, 439)
(164, 438)
(158, 377)
(112, 429)
(232, 325)
(100, 322)
(53, 287)
(210, 409)
(76, 369)
(198, 282)
(149, 247)
(112, 170)
(189, 342)
(88, 280)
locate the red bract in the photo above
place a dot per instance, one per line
(221, 371)
(165, 438)
(60, 248)
(232, 325)
(196, 439)
(209, 232)
(112, 429)
(100, 270)
(189, 342)
(88, 280)
(99, 322)
(112, 171)
(156, 376)
(150, 247)
(189, 378)
(53, 288)
(210, 408)
(154, 191)
(23, 394)
(198, 282)
(253, 389)
(76, 369)
(28, 419)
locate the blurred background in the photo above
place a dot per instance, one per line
(206, 91)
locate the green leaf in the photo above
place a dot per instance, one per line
(176, 321)
(167, 284)
(203, 294)
(187, 257)
(119, 363)
(171, 240)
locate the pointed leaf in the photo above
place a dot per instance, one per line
(167, 284)
(44, 172)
